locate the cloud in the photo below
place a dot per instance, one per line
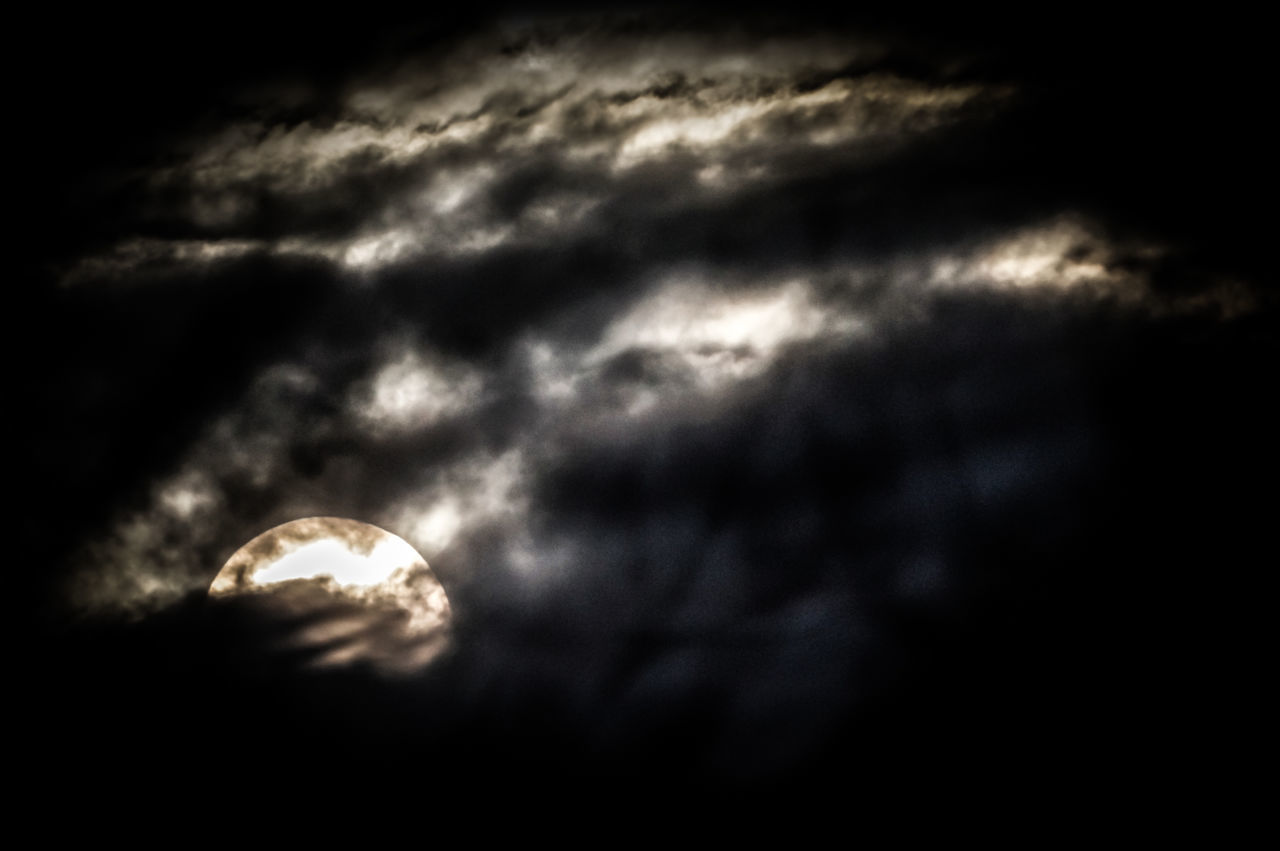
(408, 393)
(429, 160)
(766, 402)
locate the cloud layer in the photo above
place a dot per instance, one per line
(761, 397)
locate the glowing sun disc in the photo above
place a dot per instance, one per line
(367, 593)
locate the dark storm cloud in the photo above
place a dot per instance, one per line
(765, 401)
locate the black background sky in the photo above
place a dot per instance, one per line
(1010, 547)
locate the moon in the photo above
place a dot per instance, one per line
(353, 591)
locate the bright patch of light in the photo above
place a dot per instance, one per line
(333, 558)
(185, 501)
(435, 528)
(1059, 254)
(482, 239)
(451, 190)
(469, 494)
(722, 336)
(1041, 257)
(553, 379)
(379, 250)
(409, 392)
(697, 131)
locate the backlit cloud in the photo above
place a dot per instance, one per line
(765, 394)
(435, 156)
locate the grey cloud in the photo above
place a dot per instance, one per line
(766, 405)
(311, 437)
(432, 162)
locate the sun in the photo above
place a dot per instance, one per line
(357, 592)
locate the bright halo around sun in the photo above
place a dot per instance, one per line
(357, 592)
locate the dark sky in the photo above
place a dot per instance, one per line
(795, 408)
